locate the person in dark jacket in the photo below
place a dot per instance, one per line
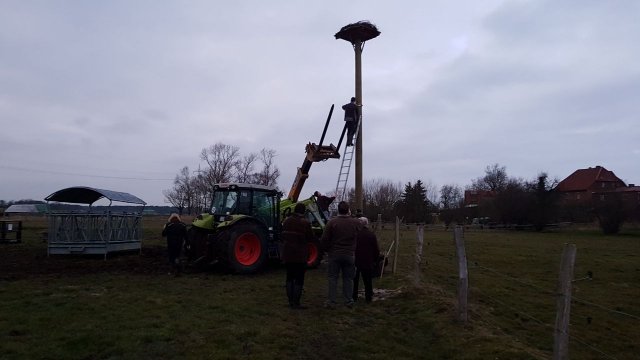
(339, 240)
(296, 235)
(176, 232)
(367, 253)
(350, 118)
(323, 203)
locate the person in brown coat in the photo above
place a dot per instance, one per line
(296, 235)
(339, 240)
(367, 253)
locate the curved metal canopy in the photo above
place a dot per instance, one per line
(87, 195)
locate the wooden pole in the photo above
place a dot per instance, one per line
(357, 46)
(419, 243)
(397, 241)
(463, 279)
(386, 256)
(563, 303)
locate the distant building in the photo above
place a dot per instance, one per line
(587, 187)
(580, 186)
(473, 198)
(26, 209)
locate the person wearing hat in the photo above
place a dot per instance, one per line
(296, 235)
(176, 232)
(367, 252)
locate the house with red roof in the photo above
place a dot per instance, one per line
(580, 186)
(587, 186)
(473, 198)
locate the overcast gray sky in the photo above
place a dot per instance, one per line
(121, 95)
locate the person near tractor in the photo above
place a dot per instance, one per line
(176, 232)
(296, 235)
(339, 240)
(367, 253)
(323, 203)
(350, 118)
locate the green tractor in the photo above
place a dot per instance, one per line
(242, 229)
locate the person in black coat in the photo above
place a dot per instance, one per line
(176, 232)
(350, 118)
(296, 235)
(323, 203)
(367, 253)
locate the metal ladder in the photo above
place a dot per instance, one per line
(343, 174)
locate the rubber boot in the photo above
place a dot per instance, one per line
(297, 295)
(290, 294)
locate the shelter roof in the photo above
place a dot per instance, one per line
(88, 195)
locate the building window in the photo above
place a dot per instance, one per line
(604, 185)
(602, 197)
(577, 196)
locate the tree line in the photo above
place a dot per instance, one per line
(221, 163)
(512, 202)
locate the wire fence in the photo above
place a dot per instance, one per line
(513, 286)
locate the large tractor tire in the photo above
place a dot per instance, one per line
(315, 254)
(246, 248)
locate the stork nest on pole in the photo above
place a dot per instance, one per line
(358, 32)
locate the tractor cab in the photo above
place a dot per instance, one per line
(233, 200)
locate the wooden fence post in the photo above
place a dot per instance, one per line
(563, 303)
(463, 280)
(395, 256)
(419, 243)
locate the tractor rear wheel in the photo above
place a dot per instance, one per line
(246, 248)
(315, 254)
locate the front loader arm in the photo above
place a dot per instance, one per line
(315, 153)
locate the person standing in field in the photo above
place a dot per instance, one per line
(350, 118)
(367, 253)
(296, 235)
(339, 240)
(176, 232)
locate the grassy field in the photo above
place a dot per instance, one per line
(129, 308)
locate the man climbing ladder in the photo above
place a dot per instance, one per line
(350, 118)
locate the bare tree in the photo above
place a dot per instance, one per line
(244, 170)
(222, 160)
(451, 201)
(380, 196)
(451, 196)
(431, 193)
(495, 179)
(182, 195)
(270, 173)
(202, 192)
(175, 197)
